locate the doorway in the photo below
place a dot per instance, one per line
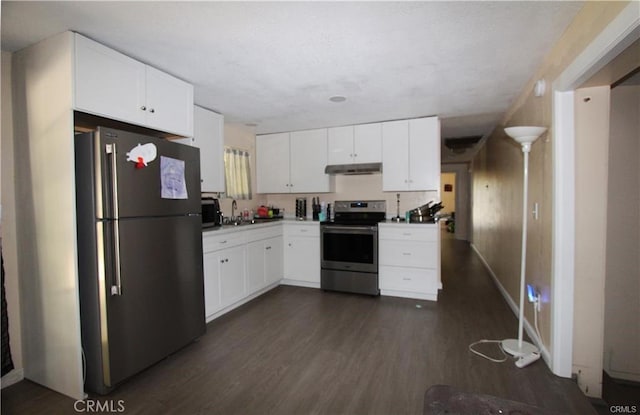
(458, 200)
(448, 199)
(621, 348)
(565, 332)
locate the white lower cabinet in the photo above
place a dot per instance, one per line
(238, 265)
(273, 259)
(232, 275)
(224, 270)
(409, 260)
(255, 265)
(264, 263)
(302, 254)
(212, 302)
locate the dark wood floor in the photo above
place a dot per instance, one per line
(304, 351)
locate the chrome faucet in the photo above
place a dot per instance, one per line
(234, 206)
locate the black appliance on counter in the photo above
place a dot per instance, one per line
(211, 213)
(349, 247)
(139, 252)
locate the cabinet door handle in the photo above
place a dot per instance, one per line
(226, 260)
(406, 253)
(407, 234)
(304, 230)
(355, 155)
(406, 279)
(289, 244)
(223, 242)
(268, 247)
(152, 110)
(143, 108)
(116, 288)
(222, 261)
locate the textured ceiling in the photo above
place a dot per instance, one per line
(275, 64)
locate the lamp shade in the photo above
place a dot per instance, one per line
(525, 135)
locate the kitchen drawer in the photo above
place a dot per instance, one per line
(212, 243)
(408, 254)
(408, 279)
(302, 229)
(264, 233)
(409, 232)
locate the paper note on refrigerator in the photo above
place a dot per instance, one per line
(172, 178)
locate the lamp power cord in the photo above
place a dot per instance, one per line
(504, 358)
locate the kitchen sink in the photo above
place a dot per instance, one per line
(245, 222)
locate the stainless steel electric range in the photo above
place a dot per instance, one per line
(349, 247)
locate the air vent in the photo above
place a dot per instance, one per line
(459, 145)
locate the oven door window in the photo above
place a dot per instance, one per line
(349, 247)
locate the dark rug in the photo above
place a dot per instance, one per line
(442, 399)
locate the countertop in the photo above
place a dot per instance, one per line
(404, 223)
(226, 229)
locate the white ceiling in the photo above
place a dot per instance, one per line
(275, 64)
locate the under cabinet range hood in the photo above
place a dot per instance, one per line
(353, 169)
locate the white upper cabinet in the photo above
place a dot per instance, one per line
(340, 145)
(308, 161)
(112, 85)
(108, 83)
(272, 163)
(411, 154)
(292, 162)
(355, 144)
(208, 136)
(424, 153)
(367, 143)
(169, 103)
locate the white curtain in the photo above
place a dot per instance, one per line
(237, 173)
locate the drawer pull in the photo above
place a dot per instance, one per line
(268, 247)
(407, 234)
(223, 242)
(304, 230)
(406, 253)
(406, 279)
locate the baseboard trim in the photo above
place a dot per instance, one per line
(514, 307)
(240, 302)
(12, 377)
(408, 294)
(298, 283)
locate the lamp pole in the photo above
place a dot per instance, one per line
(525, 136)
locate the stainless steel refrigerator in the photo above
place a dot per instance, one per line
(139, 252)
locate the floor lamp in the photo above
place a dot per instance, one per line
(525, 136)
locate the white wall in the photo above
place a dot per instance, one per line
(8, 226)
(622, 284)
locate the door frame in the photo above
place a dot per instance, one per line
(621, 32)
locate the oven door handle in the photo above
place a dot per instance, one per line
(349, 229)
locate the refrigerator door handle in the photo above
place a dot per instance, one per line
(110, 148)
